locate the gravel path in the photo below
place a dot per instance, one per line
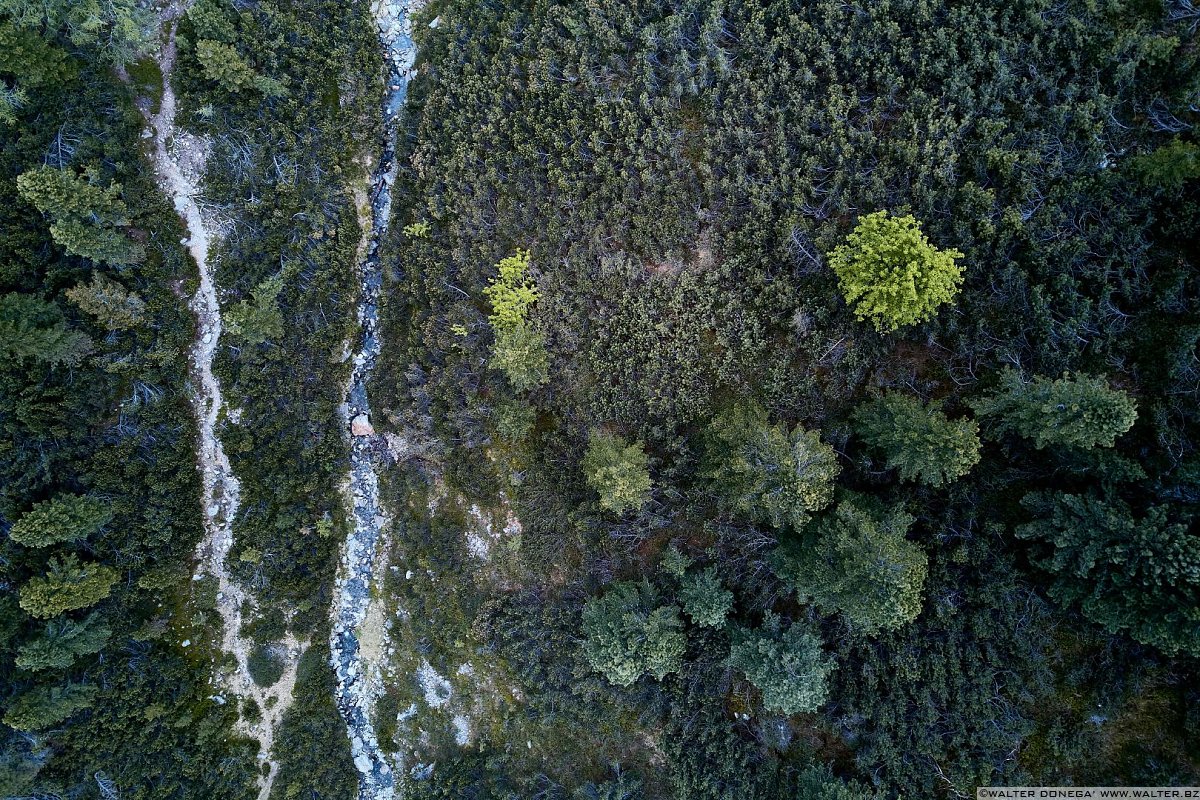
(179, 159)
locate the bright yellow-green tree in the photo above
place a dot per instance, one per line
(519, 350)
(891, 274)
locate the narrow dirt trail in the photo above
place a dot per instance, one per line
(179, 161)
(358, 683)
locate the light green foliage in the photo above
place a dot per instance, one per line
(619, 471)
(417, 230)
(1130, 575)
(114, 307)
(224, 66)
(67, 586)
(11, 100)
(519, 351)
(891, 274)
(791, 670)
(30, 58)
(33, 328)
(704, 599)
(919, 441)
(674, 562)
(861, 566)
(84, 218)
(1170, 166)
(62, 642)
(259, 320)
(65, 518)
(210, 21)
(45, 706)
(766, 473)
(514, 420)
(511, 292)
(1074, 410)
(627, 636)
(116, 29)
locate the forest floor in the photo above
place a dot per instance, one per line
(179, 159)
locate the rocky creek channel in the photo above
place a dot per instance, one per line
(355, 693)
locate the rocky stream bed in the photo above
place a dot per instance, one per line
(355, 694)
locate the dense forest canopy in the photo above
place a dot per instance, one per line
(776, 399)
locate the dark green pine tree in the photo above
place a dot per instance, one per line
(1134, 575)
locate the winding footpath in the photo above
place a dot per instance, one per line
(356, 692)
(179, 161)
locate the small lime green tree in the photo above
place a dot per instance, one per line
(67, 586)
(110, 303)
(1074, 410)
(762, 470)
(890, 273)
(919, 441)
(628, 635)
(44, 706)
(519, 350)
(260, 319)
(619, 471)
(1170, 166)
(65, 518)
(63, 641)
(223, 65)
(85, 218)
(790, 669)
(860, 565)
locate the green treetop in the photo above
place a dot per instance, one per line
(65, 518)
(33, 328)
(891, 274)
(704, 599)
(223, 65)
(860, 565)
(45, 706)
(763, 471)
(919, 441)
(117, 29)
(259, 320)
(627, 636)
(1170, 166)
(69, 585)
(63, 641)
(520, 353)
(619, 471)
(1138, 576)
(1077, 411)
(791, 670)
(819, 783)
(11, 100)
(85, 219)
(110, 303)
(511, 292)
(519, 350)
